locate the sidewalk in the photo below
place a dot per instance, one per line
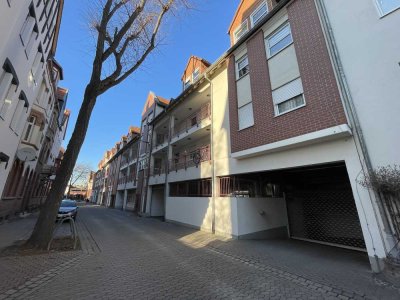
(17, 270)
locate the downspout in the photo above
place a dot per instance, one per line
(146, 180)
(167, 166)
(213, 181)
(352, 114)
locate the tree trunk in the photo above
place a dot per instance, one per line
(43, 231)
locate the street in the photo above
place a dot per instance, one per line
(126, 257)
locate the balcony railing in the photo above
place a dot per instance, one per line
(193, 120)
(127, 179)
(193, 159)
(157, 171)
(161, 139)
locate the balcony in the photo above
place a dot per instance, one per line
(199, 119)
(193, 159)
(128, 181)
(157, 171)
(161, 141)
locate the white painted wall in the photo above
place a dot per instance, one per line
(193, 211)
(369, 50)
(11, 22)
(259, 214)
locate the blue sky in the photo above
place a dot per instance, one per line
(201, 32)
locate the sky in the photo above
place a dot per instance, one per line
(201, 32)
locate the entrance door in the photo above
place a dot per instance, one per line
(321, 208)
(157, 201)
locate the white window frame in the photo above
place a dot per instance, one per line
(294, 95)
(254, 22)
(30, 125)
(18, 116)
(196, 71)
(252, 115)
(187, 84)
(383, 13)
(238, 69)
(244, 27)
(267, 40)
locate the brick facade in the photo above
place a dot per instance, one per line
(323, 108)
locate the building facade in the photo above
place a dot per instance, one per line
(33, 117)
(272, 139)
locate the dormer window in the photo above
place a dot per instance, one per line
(187, 84)
(196, 75)
(241, 30)
(259, 13)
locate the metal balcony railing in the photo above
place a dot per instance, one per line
(193, 159)
(161, 139)
(157, 171)
(193, 120)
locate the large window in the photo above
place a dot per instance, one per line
(260, 12)
(241, 30)
(288, 97)
(387, 6)
(192, 188)
(279, 40)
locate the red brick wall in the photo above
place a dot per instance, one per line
(323, 104)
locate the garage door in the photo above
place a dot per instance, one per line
(326, 212)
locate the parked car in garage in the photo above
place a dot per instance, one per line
(68, 208)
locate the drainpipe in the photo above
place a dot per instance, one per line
(167, 165)
(351, 112)
(213, 181)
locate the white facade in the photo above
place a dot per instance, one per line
(28, 34)
(369, 51)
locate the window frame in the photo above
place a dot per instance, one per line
(252, 111)
(197, 70)
(380, 10)
(275, 32)
(235, 38)
(242, 58)
(276, 109)
(252, 22)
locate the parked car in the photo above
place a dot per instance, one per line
(68, 208)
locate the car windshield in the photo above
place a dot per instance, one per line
(68, 203)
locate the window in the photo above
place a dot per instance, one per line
(241, 31)
(8, 87)
(187, 84)
(279, 40)
(196, 75)
(288, 97)
(242, 66)
(192, 188)
(387, 6)
(19, 114)
(29, 128)
(245, 115)
(260, 12)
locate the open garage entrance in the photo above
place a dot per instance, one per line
(313, 203)
(321, 207)
(157, 201)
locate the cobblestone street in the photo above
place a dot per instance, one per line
(126, 257)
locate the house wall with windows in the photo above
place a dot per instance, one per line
(372, 76)
(29, 33)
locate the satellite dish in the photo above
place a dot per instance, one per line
(26, 154)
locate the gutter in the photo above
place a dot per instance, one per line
(213, 181)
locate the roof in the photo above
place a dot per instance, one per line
(236, 14)
(62, 93)
(204, 61)
(134, 129)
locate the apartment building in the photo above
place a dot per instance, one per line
(272, 139)
(33, 117)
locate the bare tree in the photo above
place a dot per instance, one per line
(79, 176)
(127, 31)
